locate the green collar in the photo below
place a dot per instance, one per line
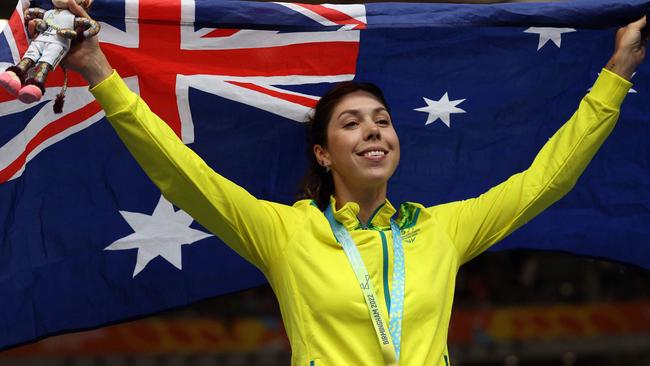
(348, 216)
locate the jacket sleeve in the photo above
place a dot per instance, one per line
(475, 224)
(258, 230)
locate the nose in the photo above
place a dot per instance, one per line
(372, 132)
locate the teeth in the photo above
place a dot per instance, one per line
(374, 153)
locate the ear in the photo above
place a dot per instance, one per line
(321, 154)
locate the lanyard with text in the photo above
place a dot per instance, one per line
(389, 341)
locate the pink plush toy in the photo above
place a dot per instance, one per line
(56, 29)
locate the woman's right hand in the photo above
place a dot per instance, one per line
(87, 57)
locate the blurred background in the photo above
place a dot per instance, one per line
(511, 308)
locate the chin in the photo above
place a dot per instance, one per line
(375, 178)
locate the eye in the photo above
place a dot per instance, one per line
(350, 124)
(383, 122)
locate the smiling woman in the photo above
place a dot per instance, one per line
(364, 282)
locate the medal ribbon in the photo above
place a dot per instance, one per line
(389, 340)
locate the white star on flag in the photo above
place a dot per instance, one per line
(161, 234)
(442, 109)
(549, 34)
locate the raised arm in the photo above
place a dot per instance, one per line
(475, 224)
(256, 229)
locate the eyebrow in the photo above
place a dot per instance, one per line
(357, 112)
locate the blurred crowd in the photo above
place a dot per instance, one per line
(532, 277)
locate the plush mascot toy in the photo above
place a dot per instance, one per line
(56, 28)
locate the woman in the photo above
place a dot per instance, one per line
(363, 283)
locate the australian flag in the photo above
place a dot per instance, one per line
(475, 91)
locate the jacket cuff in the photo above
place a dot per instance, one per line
(610, 88)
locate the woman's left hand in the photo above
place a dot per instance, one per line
(630, 49)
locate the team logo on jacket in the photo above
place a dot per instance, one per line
(409, 235)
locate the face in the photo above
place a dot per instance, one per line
(362, 146)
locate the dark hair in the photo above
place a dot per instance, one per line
(318, 184)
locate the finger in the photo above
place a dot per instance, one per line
(645, 29)
(639, 24)
(77, 9)
(31, 28)
(641, 21)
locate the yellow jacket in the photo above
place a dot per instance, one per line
(323, 309)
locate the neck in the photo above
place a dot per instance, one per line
(368, 198)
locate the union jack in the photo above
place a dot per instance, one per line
(247, 66)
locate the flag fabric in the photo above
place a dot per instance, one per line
(475, 91)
